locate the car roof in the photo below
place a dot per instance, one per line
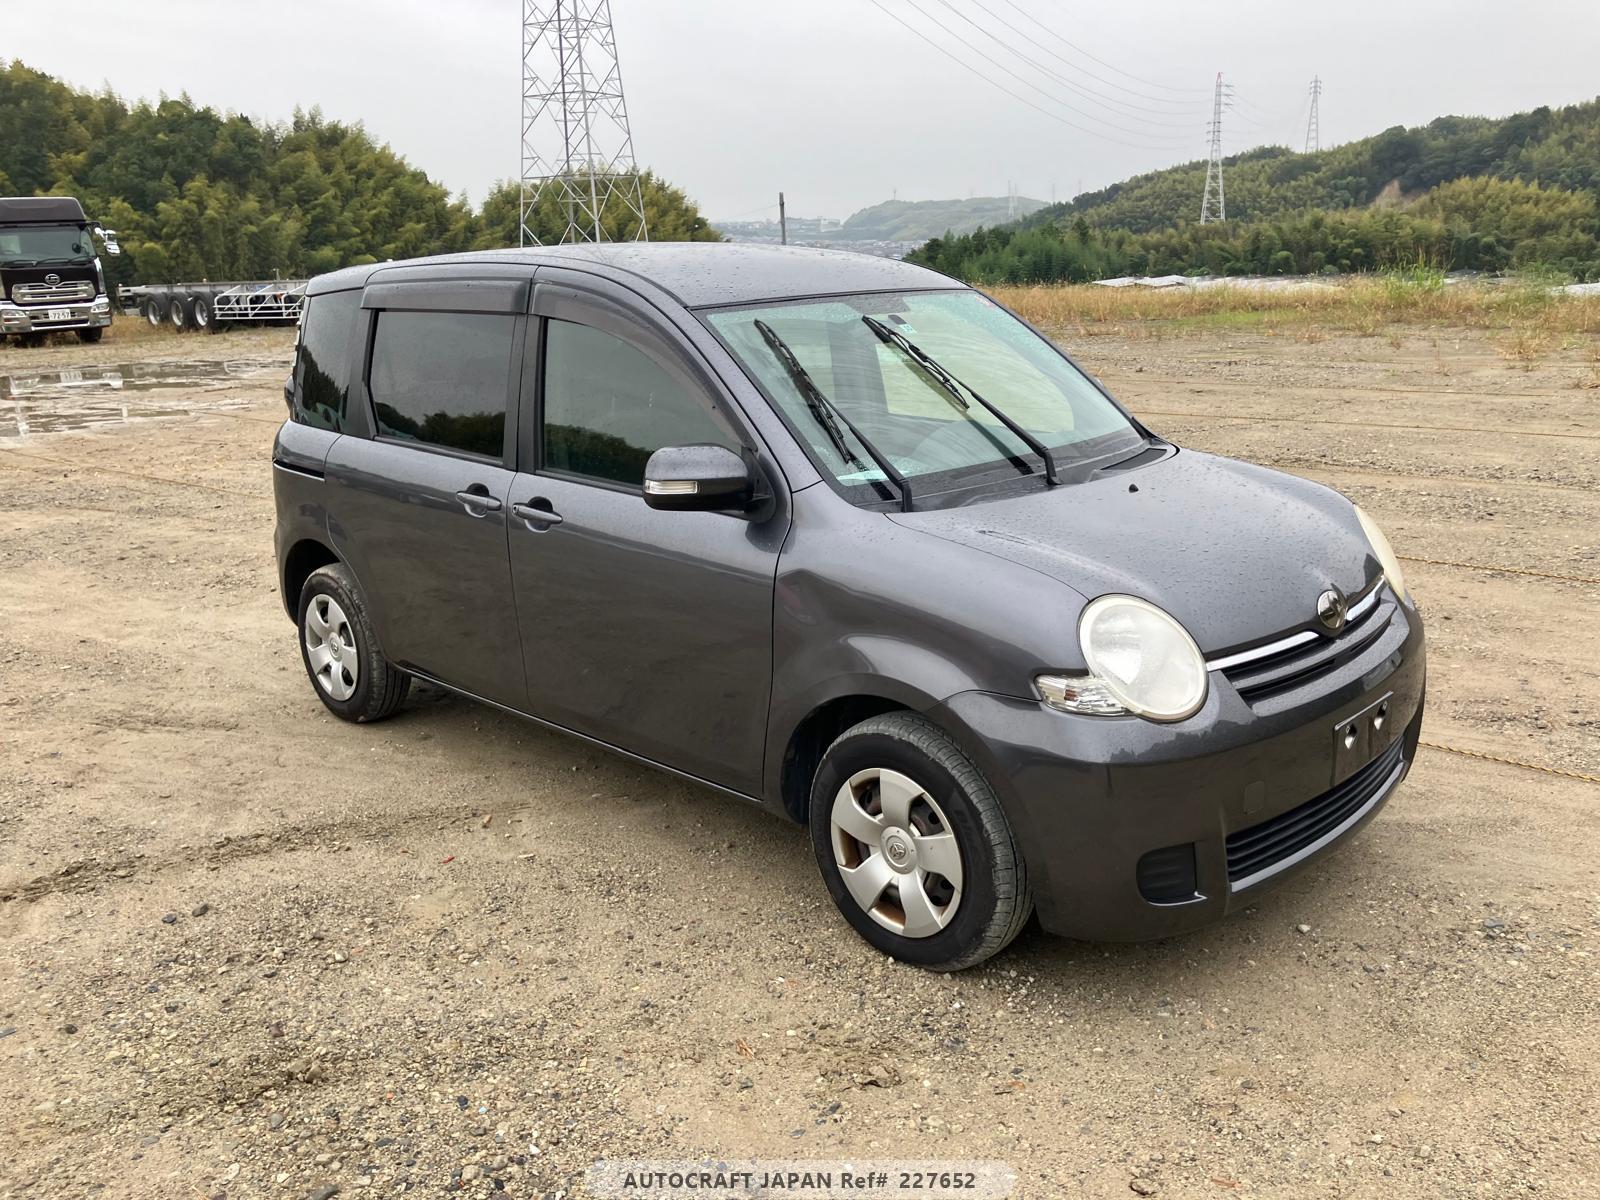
(700, 274)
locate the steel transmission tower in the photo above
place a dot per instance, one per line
(1214, 204)
(576, 146)
(1314, 121)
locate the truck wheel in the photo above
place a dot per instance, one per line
(91, 336)
(201, 316)
(178, 314)
(31, 341)
(348, 671)
(155, 313)
(914, 846)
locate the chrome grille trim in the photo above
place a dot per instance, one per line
(1358, 612)
(1268, 651)
(45, 293)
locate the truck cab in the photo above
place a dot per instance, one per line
(50, 275)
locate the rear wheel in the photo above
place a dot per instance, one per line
(91, 336)
(178, 314)
(914, 846)
(201, 315)
(155, 313)
(341, 655)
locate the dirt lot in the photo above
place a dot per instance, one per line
(246, 950)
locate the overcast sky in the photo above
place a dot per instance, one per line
(834, 101)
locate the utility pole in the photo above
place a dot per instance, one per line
(1314, 121)
(1214, 204)
(783, 221)
(576, 144)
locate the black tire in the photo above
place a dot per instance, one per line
(31, 341)
(91, 336)
(379, 688)
(178, 314)
(995, 901)
(155, 312)
(202, 318)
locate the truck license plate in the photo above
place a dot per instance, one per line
(58, 314)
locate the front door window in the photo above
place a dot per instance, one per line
(608, 407)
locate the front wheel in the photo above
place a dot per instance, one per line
(914, 847)
(91, 336)
(341, 655)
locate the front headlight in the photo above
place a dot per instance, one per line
(1385, 552)
(1140, 661)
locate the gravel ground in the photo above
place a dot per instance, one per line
(247, 950)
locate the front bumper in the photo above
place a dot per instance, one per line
(1257, 792)
(35, 318)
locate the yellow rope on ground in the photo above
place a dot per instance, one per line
(1512, 762)
(1443, 562)
(184, 483)
(1297, 420)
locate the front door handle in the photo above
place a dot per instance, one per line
(538, 515)
(478, 502)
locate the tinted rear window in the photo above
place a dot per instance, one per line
(443, 378)
(322, 368)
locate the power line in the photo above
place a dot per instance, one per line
(1172, 104)
(1108, 66)
(1249, 103)
(1168, 142)
(1069, 84)
(1002, 87)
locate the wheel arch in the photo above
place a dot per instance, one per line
(304, 557)
(815, 732)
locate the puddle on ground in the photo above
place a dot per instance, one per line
(40, 402)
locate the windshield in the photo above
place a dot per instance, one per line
(923, 427)
(38, 244)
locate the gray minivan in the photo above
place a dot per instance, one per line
(846, 539)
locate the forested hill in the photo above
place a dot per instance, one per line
(916, 220)
(1555, 147)
(201, 194)
(1472, 193)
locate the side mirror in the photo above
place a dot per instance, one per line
(704, 478)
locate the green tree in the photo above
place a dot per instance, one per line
(201, 194)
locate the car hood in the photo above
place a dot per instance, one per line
(1236, 552)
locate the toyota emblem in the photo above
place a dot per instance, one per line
(1332, 610)
(52, 279)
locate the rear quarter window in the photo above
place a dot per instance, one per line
(322, 366)
(443, 379)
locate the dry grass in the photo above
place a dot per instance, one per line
(1366, 306)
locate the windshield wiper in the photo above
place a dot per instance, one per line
(954, 387)
(76, 258)
(828, 415)
(21, 262)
